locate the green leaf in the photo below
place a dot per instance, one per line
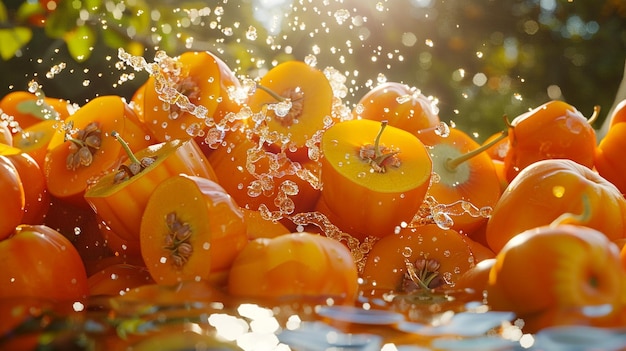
(80, 42)
(29, 9)
(12, 40)
(62, 20)
(3, 12)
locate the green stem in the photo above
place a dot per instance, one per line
(377, 152)
(126, 148)
(453, 163)
(271, 92)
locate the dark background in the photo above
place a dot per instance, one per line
(514, 54)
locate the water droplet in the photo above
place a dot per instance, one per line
(342, 15)
(442, 129)
(251, 33)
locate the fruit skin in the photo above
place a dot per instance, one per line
(402, 106)
(554, 130)
(386, 263)
(38, 261)
(36, 197)
(364, 202)
(13, 200)
(547, 273)
(547, 189)
(609, 155)
(294, 265)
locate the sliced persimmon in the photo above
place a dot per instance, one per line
(424, 257)
(190, 230)
(373, 180)
(199, 77)
(119, 198)
(34, 139)
(307, 97)
(27, 108)
(86, 151)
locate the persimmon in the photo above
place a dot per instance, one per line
(255, 176)
(556, 269)
(137, 101)
(553, 130)
(86, 151)
(38, 261)
(117, 279)
(545, 190)
(474, 281)
(34, 140)
(382, 172)
(119, 197)
(418, 258)
(27, 109)
(294, 265)
(618, 114)
(466, 179)
(80, 226)
(6, 137)
(259, 227)
(499, 149)
(401, 105)
(609, 157)
(198, 79)
(36, 197)
(191, 229)
(13, 198)
(297, 100)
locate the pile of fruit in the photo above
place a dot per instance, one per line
(126, 220)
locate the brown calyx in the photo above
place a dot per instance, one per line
(379, 156)
(296, 96)
(125, 172)
(83, 146)
(177, 240)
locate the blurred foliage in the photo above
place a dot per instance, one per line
(481, 59)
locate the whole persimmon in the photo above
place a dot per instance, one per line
(292, 265)
(403, 106)
(38, 261)
(609, 157)
(553, 130)
(549, 274)
(13, 200)
(547, 189)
